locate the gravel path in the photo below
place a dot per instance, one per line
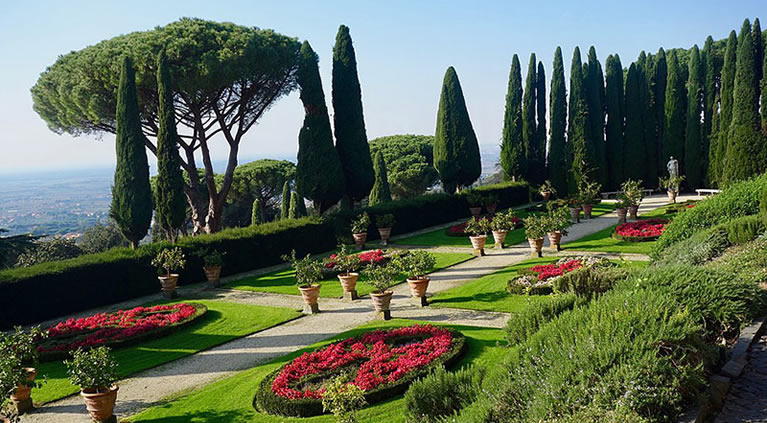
(149, 387)
(747, 400)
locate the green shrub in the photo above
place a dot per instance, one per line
(749, 261)
(588, 281)
(745, 229)
(442, 394)
(525, 323)
(698, 249)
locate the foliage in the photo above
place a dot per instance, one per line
(285, 201)
(557, 219)
(477, 226)
(579, 126)
(536, 227)
(295, 209)
(47, 251)
(694, 160)
(615, 121)
(380, 192)
(504, 221)
(558, 160)
(748, 261)
(442, 393)
(101, 237)
(633, 151)
(676, 98)
(409, 163)
(344, 261)
(588, 191)
(727, 82)
(21, 345)
(385, 220)
(631, 192)
(343, 400)
(698, 249)
(416, 264)
(547, 186)
(11, 247)
(308, 270)
(474, 198)
(361, 223)
(381, 276)
(590, 280)
(260, 180)
(255, 213)
(92, 369)
(595, 99)
(672, 183)
(513, 160)
(169, 259)
(527, 322)
(530, 165)
(213, 258)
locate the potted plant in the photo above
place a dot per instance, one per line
(308, 273)
(416, 264)
(381, 277)
(475, 201)
(384, 222)
(557, 221)
(501, 224)
(535, 231)
(491, 203)
(621, 208)
(547, 190)
(346, 264)
(633, 193)
(360, 229)
(477, 228)
(588, 192)
(671, 184)
(574, 205)
(18, 362)
(213, 260)
(95, 372)
(167, 261)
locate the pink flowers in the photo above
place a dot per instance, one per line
(380, 358)
(647, 228)
(547, 271)
(104, 328)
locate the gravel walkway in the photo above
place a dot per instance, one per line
(746, 402)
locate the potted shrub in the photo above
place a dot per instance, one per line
(346, 264)
(671, 184)
(95, 372)
(167, 261)
(381, 277)
(384, 222)
(535, 231)
(416, 265)
(213, 260)
(633, 193)
(308, 273)
(491, 203)
(18, 362)
(574, 205)
(477, 228)
(475, 201)
(621, 208)
(547, 190)
(588, 193)
(557, 221)
(360, 229)
(501, 224)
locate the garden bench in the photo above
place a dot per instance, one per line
(707, 191)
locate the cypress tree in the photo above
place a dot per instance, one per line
(131, 205)
(764, 94)
(529, 125)
(380, 193)
(301, 205)
(579, 127)
(512, 147)
(595, 87)
(170, 204)
(693, 148)
(673, 131)
(708, 62)
(255, 213)
(316, 153)
(756, 37)
(615, 117)
(293, 208)
(285, 201)
(646, 71)
(634, 157)
(725, 112)
(456, 150)
(661, 76)
(557, 162)
(540, 98)
(746, 154)
(349, 123)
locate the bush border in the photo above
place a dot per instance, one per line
(619, 237)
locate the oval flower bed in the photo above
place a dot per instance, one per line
(460, 228)
(641, 230)
(382, 363)
(116, 328)
(537, 280)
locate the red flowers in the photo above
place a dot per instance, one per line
(378, 356)
(104, 328)
(647, 228)
(547, 271)
(368, 257)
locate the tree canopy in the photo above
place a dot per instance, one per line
(409, 163)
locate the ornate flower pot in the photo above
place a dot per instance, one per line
(100, 403)
(349, 284)
(554, 239)
(475, 211)
(671, 196)
(213, 274)
(587, 209)
(385, 234)
(360, 239)
(310, 295)
(491, 208)
(23, 392)
(575, 214)
(622, 214)
(546, 195)
(633, 212)
(499, 237)
(418, 287)
(381, 303)
(168, 284)
(478, 242)
(536, 245)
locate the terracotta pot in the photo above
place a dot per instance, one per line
(622, 213)
(491, 208)
(575, 214)
(100, 403)
(381, 300)
(587, 209)
(418, 286)
(475, 211)
(554, 239)
(310, 294)
(213, 273)
(23, 392)
(168, 283)
(478, 242)
(536, 245)
(360, 239)
(671, 196)
(546, 195)
(499, 237)
(385, 234)
(633, 212)
(348, 281)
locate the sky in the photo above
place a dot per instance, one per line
(403, 49)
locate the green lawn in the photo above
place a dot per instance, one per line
(231, 399)
(223, 322)
(284, 281)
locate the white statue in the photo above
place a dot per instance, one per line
(673, 167)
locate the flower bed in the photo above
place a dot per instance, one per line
(382, 363)
(537, 280)
(117, 328)
(641, 230)
(460, 228)
(368, 257)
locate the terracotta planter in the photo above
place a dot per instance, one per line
(100, 403)
(310, 294)
(359, 239)
(554, 239)
(536, 245)
(478, 242)
(23, 392)
(475, 211)
(575, 214)
(587, 209)
(381, 300)
(168, 284)
(671, 196)
(213, 274)
(633, 212)
(622, 214)
(418, 287)
(491, 208)
(385, 234)
(546, 195)
(348, 281)
(499, 237)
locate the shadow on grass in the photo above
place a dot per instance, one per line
(201, 416)
(485, 297)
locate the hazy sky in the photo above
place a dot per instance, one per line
(403, 49)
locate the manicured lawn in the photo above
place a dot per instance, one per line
(231, 399)
(284, 281)
(223, 322)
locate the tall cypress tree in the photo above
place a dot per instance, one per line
(746, 155)
(349, 123)
(512, 146)
(456, 150)
(693, 148)
(595, 87)
(529, 124)
(579, 126)
(256, 216)
(380, 192)
(708, 62)
(673, 131)
(615, 118)
(634, 156)
(540, 98)
(756, 37)
(293, 210)
(764, 94)
(661, 76)
(285, 201)
(131, 205)
(557, 162)
(316, 153)
(170, 204)
(725, 112)
(646, 68)
(301, 205)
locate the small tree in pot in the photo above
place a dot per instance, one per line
(416, 265)
(95, 372)
(574, 205)
(535, 231)
(347, 265)
(167, 261)
(501, 224)
(359, 228)
(475, 201)
(308, 273)
(547, 190)
(588, 193)
(621, 208)
(213, 260)
(18, 359)
(384, 223)
(491, 203)
(671, 184)
(633, 193)
(477, 228)
(381, 277)
(556, 221)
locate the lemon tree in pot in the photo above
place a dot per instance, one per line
(384, 223)
(95, 372)
(167, 261)
(547, 190)
(477, 228)
(535, 231)
(621, 208)
(574, 205)
(671, 184)
(416, 265)
(18, 359)
(381, 277)
(501, 224)
(556, 222)
(475, 201)
(588, 192)
(213, 260)
(633, 193)
(359, 229)
(491, 203)
(308, 273)
(347, 265)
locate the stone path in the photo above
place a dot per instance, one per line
(746, 402)
(149, 387)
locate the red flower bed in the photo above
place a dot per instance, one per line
(641, 230)
(109, 328)
(381, 360)
(547, 271)
(460, 229)
(368, 257)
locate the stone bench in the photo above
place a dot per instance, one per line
(707, 191)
